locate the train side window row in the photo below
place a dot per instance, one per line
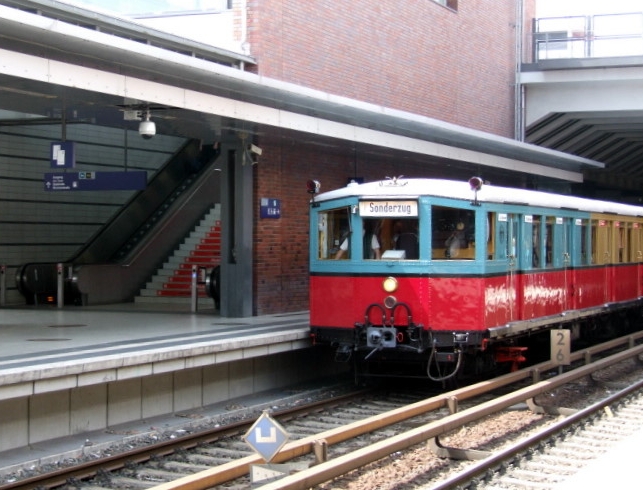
(555, 241)
(531, 240)
(616, 241)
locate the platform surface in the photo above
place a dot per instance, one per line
(49, 342)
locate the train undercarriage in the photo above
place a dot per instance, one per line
(407, 349)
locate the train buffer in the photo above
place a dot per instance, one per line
(513, 355)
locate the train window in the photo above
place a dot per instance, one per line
(594, 241)
(535, 242)
(636, 250)
(634, 244)
(629, 254)
(333, 232)
(506, 237)
(491, 233)
(622, 245)
(566, 241)
(549, 241)
(371, 247)
(453, 233)
(584, 253)
(400, 238)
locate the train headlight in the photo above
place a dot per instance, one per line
(390, 301)
(389, 284)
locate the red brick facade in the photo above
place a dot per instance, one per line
(414, 56)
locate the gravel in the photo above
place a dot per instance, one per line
(419, 467)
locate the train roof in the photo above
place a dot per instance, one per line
(397, 188)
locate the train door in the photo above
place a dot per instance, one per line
(566, 259)
(507, 240)
(602, 254)
(636, 254)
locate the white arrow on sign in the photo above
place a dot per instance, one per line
(260, 439)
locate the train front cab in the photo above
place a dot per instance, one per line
(423, 296)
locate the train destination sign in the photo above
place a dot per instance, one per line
(95, 181)
(388, 208)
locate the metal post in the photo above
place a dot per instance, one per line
(194, 289)
(60, 289)
(3, 285)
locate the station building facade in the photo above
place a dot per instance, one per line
(454, 62)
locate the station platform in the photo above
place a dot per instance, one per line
(67, 371)
(46, 342)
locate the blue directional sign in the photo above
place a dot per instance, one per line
(63, 154)
(96, 181)
(270, 208)
(266, 437)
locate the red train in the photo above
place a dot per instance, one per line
(441, 278)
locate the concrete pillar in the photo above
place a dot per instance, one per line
(236, 233)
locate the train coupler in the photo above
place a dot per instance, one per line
(514, 355)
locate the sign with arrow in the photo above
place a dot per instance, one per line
(96, 181)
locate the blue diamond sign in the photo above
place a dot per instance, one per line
(266, 437)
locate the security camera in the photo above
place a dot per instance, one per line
(147, 128)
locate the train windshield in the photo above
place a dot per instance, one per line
(391, 231)
(371, 234)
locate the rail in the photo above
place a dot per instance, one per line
(591, 36)
(482, 469)
(331, 469)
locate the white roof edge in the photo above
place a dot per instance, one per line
(409, 188)
(511, 154)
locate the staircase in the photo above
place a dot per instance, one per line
(172, 283)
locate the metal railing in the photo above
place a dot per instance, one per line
(590, 36)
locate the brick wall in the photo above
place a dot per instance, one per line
(415, 56)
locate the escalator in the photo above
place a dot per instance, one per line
(113, 264)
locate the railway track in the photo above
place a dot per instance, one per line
(549, 457)
(353, 434)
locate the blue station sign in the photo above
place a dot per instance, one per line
(96, 181)
(270, 208)
(266, 437)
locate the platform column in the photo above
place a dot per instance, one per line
(236, 234)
